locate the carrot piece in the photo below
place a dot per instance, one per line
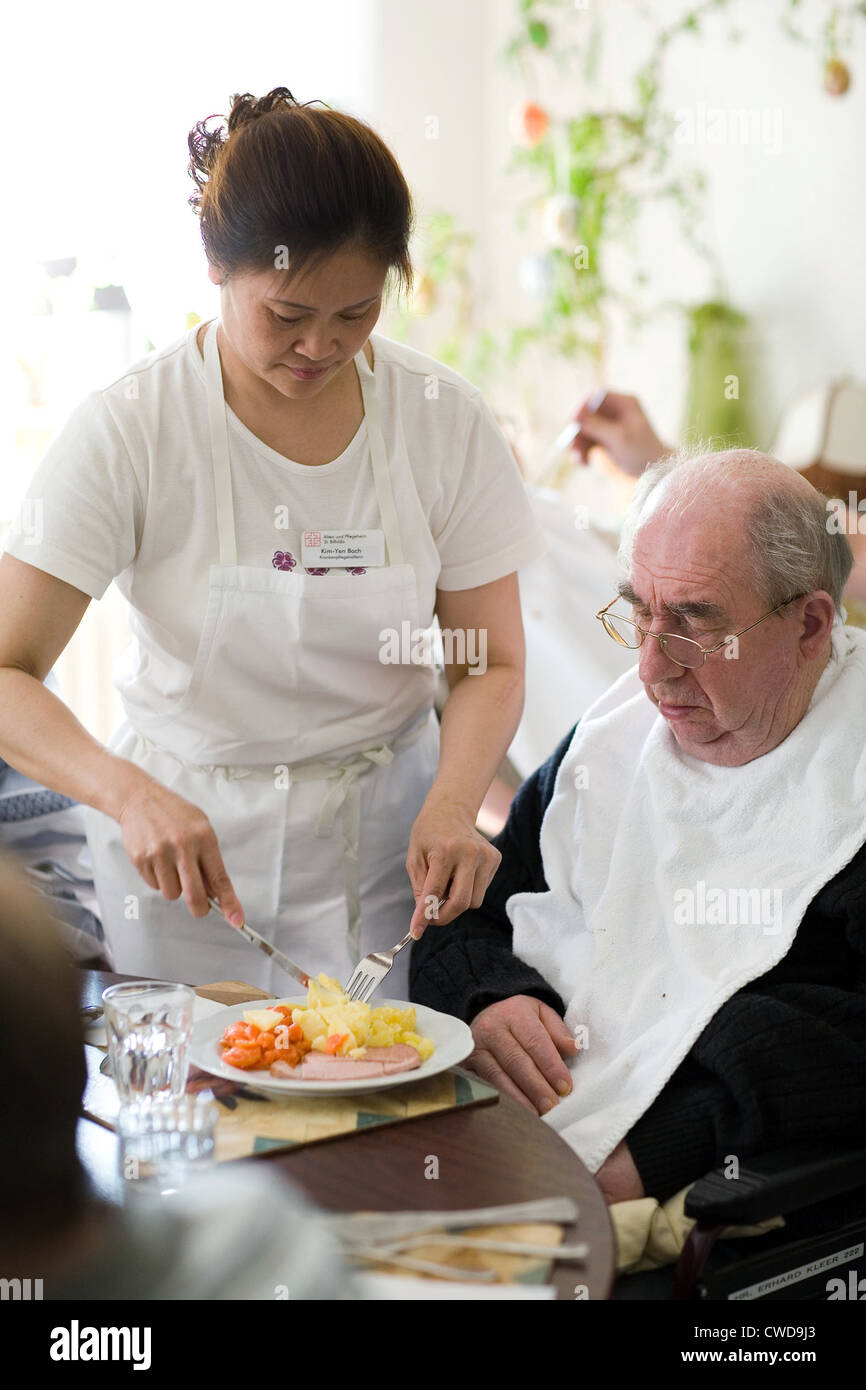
(242, 1057)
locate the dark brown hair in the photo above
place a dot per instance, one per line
(300, 176)
(42, 1185)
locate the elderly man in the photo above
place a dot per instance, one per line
(670, 963)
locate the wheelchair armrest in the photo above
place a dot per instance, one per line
(772, 1184)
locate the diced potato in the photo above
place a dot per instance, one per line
(266, 1019)
(423, 1045)
(312, 1026)
(328, 1011)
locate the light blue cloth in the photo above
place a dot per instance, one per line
(44, 832)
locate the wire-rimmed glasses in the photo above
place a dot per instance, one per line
(683, 651)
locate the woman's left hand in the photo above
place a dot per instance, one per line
(446, 849)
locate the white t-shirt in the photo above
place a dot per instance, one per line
(126, 493)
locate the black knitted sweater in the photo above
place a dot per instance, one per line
(783, 1061)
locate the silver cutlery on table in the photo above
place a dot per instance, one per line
(371, 971)
(367, 1229)
(571, 1253)
(277, 956)
(467, 1276)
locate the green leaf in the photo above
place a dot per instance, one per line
(539, 33)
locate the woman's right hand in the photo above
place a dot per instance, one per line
(174, 847)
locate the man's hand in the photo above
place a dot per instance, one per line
(618, 1177)
(519, 1047)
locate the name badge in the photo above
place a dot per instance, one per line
(342, 548)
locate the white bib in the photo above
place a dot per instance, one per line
(674, 882)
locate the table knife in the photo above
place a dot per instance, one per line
(277, 956)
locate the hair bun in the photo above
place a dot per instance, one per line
(205, 144)
(246, 108)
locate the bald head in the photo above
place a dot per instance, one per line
(733, 552)
(766, 516)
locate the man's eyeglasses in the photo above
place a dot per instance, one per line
(683, 651)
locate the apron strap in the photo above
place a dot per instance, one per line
(379, 460)
(222, 469)
(345, 792)
(219, 448)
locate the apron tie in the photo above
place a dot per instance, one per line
(343, 777)
(344, 793)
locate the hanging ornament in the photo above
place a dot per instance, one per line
(559, 220)
(529, 123)
(535, 275)
(837, 78)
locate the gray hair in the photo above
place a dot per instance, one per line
(793, 548)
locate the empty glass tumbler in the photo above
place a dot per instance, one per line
(148, 1025)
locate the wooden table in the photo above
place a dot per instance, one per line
(486, 1155)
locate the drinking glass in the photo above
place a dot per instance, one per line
(165, 1140)
(148, 1025)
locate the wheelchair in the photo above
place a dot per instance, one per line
(817, 1256)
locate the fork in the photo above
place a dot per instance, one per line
(371, 971)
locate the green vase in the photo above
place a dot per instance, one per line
(720, 404)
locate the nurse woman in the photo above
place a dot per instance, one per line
(286, 499)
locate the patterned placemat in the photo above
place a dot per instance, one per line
(251, 1123)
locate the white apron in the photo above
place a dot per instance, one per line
(315, 848)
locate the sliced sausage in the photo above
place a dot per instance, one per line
(400, 1057)
(379, 1061)
(318, 1068)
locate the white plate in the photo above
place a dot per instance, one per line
(452, 1038)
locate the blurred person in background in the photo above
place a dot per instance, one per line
(238, 1231)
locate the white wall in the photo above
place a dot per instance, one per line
(788, 226)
